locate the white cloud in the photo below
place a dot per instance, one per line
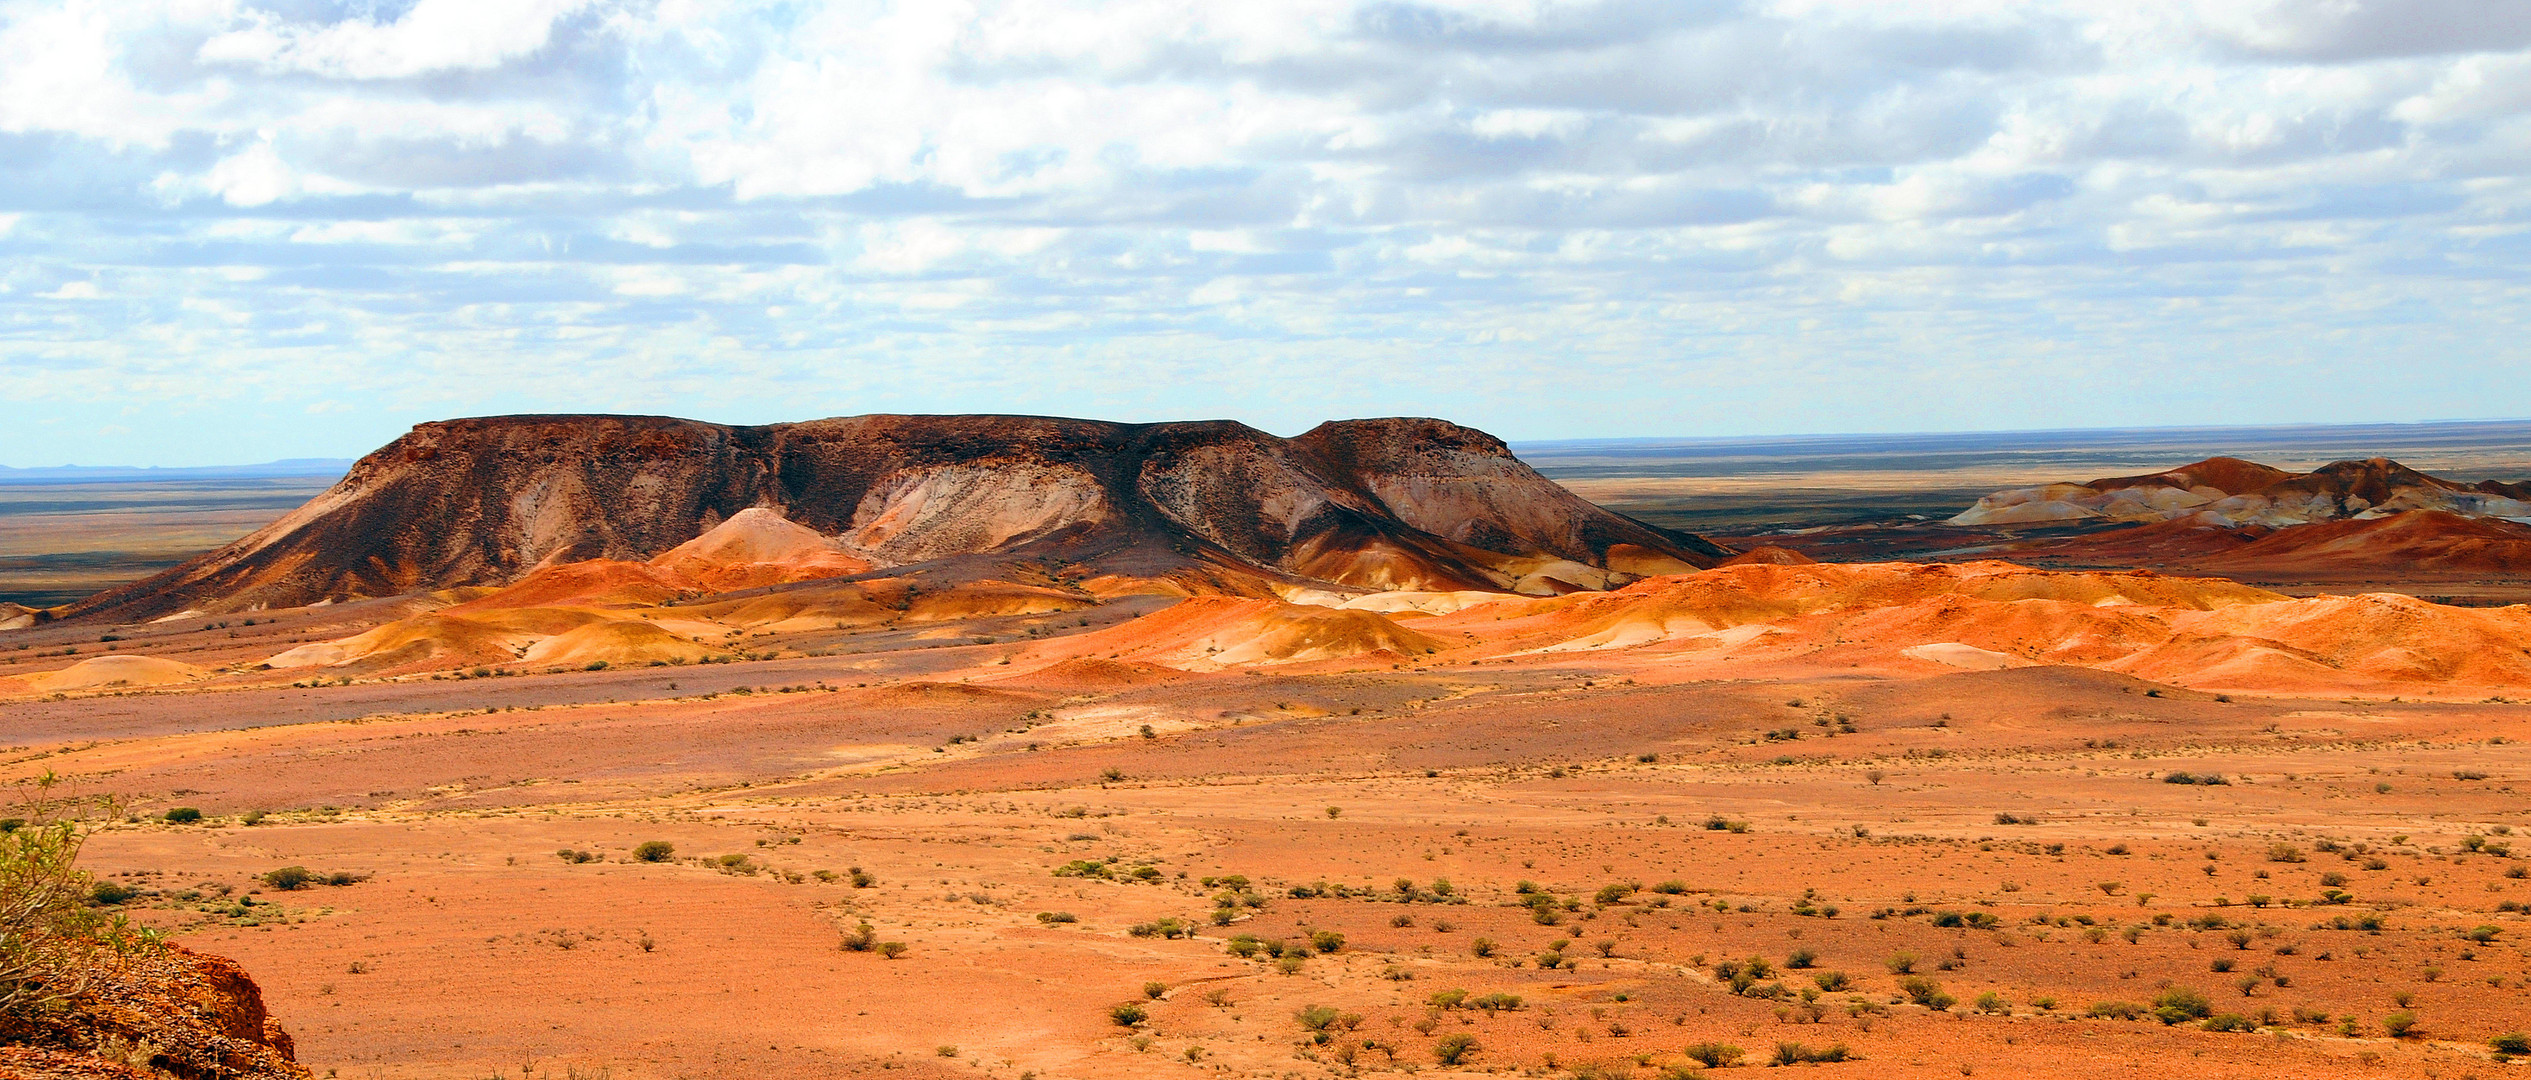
(735, 200)
(432, 35)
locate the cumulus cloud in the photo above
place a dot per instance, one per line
(1550, 216)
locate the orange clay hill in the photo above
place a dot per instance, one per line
(645, 748)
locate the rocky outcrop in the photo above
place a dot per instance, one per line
(1370, 503)
(157, 1013)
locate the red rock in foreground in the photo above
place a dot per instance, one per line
(163, 1012)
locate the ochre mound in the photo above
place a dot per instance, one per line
(2419, 540)
(623, 642)
(757, 547)
(1209, 632)
(2198, 632)
(1769, 555)
(111, 671)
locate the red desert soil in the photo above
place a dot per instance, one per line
(1936, 801)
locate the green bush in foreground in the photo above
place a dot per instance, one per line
(50, 935)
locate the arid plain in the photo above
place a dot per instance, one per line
(1072, 812)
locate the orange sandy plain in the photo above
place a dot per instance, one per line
(1843, 771)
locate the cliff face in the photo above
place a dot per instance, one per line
(166, 1011)
(1375, 503)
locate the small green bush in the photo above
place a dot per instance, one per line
(182, 815)
(1713, 1055)
(2178, 1004)
(1454, 1049)
(654, 851)
(1793, 1053)
(1926, 992)
(2400, 1023)
(289, 878)
(1128, 1014)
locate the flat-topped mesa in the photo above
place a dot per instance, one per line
(1395, 503)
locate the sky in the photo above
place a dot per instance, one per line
(236, 231)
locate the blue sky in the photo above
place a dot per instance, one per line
(237, 231)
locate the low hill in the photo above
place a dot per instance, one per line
(2229, 492)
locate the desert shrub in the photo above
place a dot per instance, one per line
(2230, 1022)
(1900, 963)
(1497, 1001)
(2511, 1042)
(108, 893)
(251, 817)
(2400, 1023)
(1447, 999)
(1793, 1053)
(862, 939)
(1832, 981)
(2116, 1010)
(576, 857)
(1243, 946)
(1713, 1055)
(891, 949)
(1315, 1017)
(2284, 853)
(289, 878)
(2482, 934)
(1482, 947)
(2179, 1003)
(1052, 917)
(1128, 1014)
(1454, 1049)
(1992, 1002)
(1926, 992)
(654, 851)
(1801, 959)
(1326, 941)
(50, 935)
